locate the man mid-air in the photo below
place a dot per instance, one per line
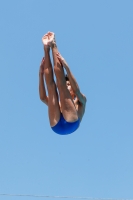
(66, 106)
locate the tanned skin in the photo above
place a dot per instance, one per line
(72, 102)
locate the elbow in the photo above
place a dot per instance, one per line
(42, 98)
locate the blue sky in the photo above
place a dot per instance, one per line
(96, 39)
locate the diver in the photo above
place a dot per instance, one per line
(66, 104)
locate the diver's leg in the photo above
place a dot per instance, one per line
(53, 102)
(67, 104)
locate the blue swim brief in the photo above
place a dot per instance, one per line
(63, 127)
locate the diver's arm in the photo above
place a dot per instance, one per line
(72, 79)
(42, 90)
(81, 97)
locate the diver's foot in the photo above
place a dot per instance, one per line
(45, 39)
(51, 37)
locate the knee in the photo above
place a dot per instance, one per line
(48, 71)
(57, 71)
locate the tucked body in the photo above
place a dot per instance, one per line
(66, 104)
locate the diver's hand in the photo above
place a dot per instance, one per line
(62, 60)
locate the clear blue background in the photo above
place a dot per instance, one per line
(96, 39)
